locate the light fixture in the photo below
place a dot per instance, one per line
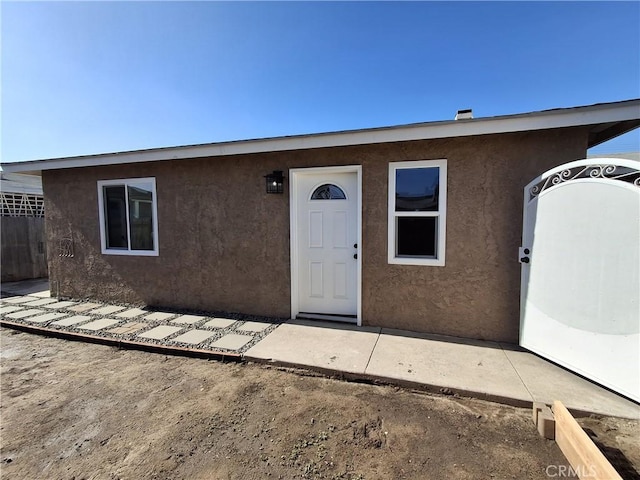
(275, 181)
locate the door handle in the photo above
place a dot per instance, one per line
(355, 255)
(524, 259)
(355, 245)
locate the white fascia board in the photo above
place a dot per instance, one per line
(548, 119)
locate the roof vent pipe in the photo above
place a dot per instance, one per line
(464, 114)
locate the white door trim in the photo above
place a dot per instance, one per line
(294, 175)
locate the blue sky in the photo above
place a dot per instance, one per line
(94, 77)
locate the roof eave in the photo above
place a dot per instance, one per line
(604, 132)
(618, 117)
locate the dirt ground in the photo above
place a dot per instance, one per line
(79, 411)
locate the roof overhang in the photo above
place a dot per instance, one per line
(605, 121)
(19, 183)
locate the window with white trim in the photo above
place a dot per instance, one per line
(417, 212)
(128, 216)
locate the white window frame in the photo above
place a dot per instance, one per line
(441, 213)
(154, 208)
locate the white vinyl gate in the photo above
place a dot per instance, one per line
(580, 259)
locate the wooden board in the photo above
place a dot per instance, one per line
(585, 458)
(23, 247)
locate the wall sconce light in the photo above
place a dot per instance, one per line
(275, 181)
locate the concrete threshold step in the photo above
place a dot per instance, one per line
(327, 317)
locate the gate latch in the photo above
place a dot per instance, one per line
(523, 255)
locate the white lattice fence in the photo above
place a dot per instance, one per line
(21, 205)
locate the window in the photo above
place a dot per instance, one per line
(128, 216)
(417, 208)
(328, 192)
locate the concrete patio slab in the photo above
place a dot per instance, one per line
(67, 322)
(219, 323)
(323, 345)
(107, 310)
(254, 327)
(194, 336)
(99, 324)
(16, 300)
(160, 332)
(188, 319)
(38, 287)
(131, 313)
(83, 307)
(462, 365)
(40, 302)
(9, 309)
(57, 305)
(548, 382)
(9, 298)
(42, 293)
(158, 316)
(46, 317)
(232, 341)
(129, 327)
(24, 313)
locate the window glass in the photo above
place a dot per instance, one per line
(141, 216)
(328, 192)
(417, 236)
(417, 189)
(116, 216)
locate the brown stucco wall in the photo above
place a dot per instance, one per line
(224, 243)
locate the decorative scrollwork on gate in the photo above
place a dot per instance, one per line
(611, 172)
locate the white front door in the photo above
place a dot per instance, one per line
(325, 242)
(580, 301)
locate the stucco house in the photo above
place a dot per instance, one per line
(415, 227)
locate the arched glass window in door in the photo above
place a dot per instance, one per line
(328, 191)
